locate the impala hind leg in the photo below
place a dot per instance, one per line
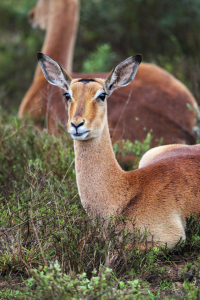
(164, 233)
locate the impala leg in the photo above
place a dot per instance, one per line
(171, 234)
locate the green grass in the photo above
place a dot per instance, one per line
(50, 249)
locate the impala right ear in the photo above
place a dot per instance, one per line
(53, 72)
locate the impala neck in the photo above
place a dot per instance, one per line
(61, 32)
(103, 186)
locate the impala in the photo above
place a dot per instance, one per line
(160, 194)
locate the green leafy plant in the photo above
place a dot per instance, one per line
(100, 60)
(137, 148)
(51, 283)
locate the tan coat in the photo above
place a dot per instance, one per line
(160, 194)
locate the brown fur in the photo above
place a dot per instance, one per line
(160, 195)
(154, 100)
(149, 156)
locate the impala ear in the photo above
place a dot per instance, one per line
(53, 72)
(123, 73)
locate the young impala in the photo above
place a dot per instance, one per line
(154, 100)
(160, 194)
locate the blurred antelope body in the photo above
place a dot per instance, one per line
(160, 194)
(60, 18)
(154, 100)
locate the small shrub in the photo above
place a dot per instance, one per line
(100, 60)
(51, 283)
(137, 148)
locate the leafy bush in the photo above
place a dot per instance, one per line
(51, 283)
(137, 148)
(99, 61)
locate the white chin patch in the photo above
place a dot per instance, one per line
(79, 137)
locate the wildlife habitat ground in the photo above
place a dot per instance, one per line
(51, 249)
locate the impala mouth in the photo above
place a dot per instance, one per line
(80, 134)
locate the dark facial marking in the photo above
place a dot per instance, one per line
(78, 112)
(85, 80)
(79, 109)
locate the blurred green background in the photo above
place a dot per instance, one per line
(165, 32)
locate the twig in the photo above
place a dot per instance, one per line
(122, 112)
(40, 246)
(67, 172)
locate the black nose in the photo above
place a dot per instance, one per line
(77, 125)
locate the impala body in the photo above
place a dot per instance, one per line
(160, 194)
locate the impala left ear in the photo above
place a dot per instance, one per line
(123, 73)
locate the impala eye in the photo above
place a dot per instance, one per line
(67, 96)
(102, 96)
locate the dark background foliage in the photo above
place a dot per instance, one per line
(168, 28)
(166, 32)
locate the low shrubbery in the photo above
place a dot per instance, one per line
(43, 227)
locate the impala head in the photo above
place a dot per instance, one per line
(38, 15)
(86, 98)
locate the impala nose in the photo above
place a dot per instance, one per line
(77, 125)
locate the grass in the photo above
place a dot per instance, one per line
(50, 249)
